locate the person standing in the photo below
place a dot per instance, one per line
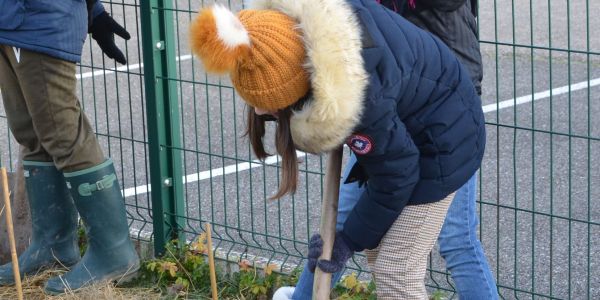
(455, 23)
(66, 172)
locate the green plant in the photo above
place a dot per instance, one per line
(182, 269)
(183, 272)
(81, 238)
(438, 295)
(350, 288)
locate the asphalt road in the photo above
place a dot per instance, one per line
(540, 181)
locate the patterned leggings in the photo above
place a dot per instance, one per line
(399, 263)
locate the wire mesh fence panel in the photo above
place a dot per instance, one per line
(224, 182)
(538, 184)
(539, 220)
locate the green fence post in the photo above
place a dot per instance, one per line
(163, 121)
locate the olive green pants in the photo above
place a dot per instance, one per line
(43, 112)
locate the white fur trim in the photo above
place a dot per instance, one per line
(332, 39)
(229, 28)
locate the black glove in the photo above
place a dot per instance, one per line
(103, 29)
(340, 255)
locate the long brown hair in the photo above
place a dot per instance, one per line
(284, 144)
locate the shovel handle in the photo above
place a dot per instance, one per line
(329, 207)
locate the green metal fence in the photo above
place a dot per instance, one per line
(174, 133)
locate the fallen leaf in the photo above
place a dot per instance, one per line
(244, 265)
(270, 268)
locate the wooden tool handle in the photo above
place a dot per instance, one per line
(322, 283)
(211, 263)
(11, 235)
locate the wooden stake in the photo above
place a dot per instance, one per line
(329, 206)
(11, 235)
(211, 263)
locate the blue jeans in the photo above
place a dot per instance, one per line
(461, 249)
(459, 245)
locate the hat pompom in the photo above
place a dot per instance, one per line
(220, 40)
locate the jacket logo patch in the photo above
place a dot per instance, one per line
(360, 143)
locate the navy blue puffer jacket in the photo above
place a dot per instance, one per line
(424, 118)
(397, 96)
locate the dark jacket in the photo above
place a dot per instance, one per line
(54, 27)
(400, 99)
(453, 21)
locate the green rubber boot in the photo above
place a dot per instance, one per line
(110, 256)
(53, 220)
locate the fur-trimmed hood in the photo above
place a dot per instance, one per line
(338, 78)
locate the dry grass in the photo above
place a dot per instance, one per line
(33, 288)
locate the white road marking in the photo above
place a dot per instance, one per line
(541, 95)
(143, 189)
(123, 68)
(271, 160)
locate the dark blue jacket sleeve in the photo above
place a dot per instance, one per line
(392, 167)
(97, 9)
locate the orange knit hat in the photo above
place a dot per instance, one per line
(261, 49)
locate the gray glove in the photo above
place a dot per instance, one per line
(340, 255)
